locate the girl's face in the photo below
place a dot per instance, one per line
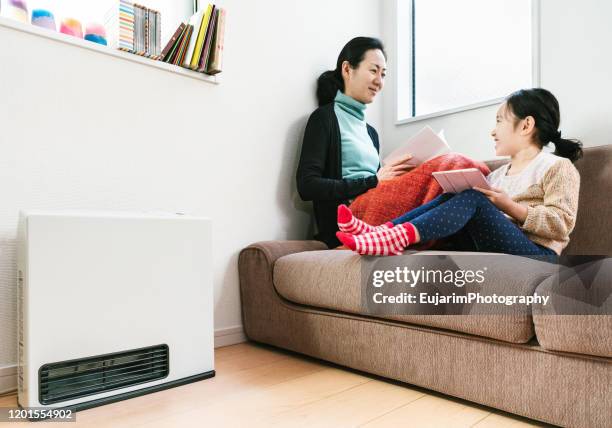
(367, 80)
(509, 133)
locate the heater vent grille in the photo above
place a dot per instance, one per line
(87, 376)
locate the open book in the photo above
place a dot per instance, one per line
(423, 146)
(459, 180)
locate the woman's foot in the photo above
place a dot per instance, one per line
(385, 242)
(348, 223)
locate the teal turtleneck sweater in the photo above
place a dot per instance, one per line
(359, 156)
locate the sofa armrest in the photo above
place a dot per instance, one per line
(274, 250)
(260, 302)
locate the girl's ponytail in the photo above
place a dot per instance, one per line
(544, 108)
(571, 149)
(328, 85)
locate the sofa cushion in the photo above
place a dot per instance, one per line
(332, 280)
(578, 318)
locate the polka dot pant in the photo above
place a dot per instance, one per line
(471, 213)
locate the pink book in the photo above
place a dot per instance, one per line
(459, 180)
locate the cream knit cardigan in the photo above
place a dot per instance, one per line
(549, 188)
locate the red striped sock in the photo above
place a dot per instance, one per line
(348, 223)
(384, 242)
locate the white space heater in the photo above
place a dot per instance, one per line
(111, 305)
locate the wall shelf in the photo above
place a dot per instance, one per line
(85, 44)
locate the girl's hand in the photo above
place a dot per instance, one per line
(505, 203)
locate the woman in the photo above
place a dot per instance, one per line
(530, 209)
(339, 159)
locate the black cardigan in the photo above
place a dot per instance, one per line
(319, 173)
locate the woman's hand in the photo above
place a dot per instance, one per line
(505, 203)
(395, 169)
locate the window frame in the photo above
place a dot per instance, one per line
(404, 63)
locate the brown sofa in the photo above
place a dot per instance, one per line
(301, 296)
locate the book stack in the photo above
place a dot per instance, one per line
(119, 23)
(134, 28)
(198, 43)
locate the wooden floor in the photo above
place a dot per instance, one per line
(258, 385)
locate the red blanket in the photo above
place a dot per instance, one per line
(392, 198)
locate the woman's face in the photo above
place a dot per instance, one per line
(367, 80)
(507, 133)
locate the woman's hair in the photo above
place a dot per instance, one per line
(544, 108)
(354, 51)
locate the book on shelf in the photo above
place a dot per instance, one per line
(171, 57)
(207, 41)
(134, 28)
(119, 24)
(180, 56)
(172, 42)
(195, 22)
(195, 60)
(201, 48)
(216, 56)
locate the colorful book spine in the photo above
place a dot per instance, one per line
(195, 61)
(171, 43)
(183, 49)
(208, 41)
(196, 21)
(158, 30)
(173, 52)
(215, 64)
(119, 24)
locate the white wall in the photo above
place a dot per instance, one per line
(85, 130)
(575, 66)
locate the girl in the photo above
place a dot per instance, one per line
(339, 159)
(530, 209)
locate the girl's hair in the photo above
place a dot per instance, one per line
(354, 51)
(544, 108)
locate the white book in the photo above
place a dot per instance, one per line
(423, 146)
(119, 24)
(195, 20)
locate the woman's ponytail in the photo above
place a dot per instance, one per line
(328, 85)
(544, 108)
(571, 149)
(354, 51)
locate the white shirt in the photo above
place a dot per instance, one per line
(532, 174)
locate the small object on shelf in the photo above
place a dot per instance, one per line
(44, 19)
(72, 27)
(96, 33)
(18, 10)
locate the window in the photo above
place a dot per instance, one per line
(455, 55)
(173, 12)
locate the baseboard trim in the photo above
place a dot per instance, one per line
(229, 336)
(223, 337)
(8, 379)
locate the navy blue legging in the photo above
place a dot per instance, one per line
(471, 215)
